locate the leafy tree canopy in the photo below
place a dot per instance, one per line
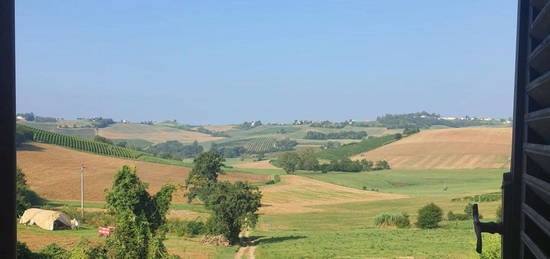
(139, 217)
(233, 206)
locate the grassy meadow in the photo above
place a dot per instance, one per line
(348, 231)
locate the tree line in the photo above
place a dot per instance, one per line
(29, 116)
(306, 160)
(176, 150)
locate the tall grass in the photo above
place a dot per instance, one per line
(392, 220)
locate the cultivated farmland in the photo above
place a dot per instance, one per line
(91, 146)
(49, 167)
(448, 149)
(155, 134)
(261, 145)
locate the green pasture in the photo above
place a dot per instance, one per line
(417, 182)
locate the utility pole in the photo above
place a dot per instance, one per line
(82, 167)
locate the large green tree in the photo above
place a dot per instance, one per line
(233, 207)
(140, 218)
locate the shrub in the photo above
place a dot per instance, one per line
(86, 250)
(389, 219)
(54, 251)
(491, 247)
(94, 218)
(186, 228)
(468, 210)
(457, 217)
(429, 216)
(22, 251)
(277, 178)
(195, 227)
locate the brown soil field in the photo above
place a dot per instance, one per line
(464, 148)
(264, 164)
(155, 134)
(54, 173)
(297, 194)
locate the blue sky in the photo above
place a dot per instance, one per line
(214, 62)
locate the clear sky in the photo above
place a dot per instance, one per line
(214, 62)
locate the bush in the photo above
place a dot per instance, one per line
(277, 178)
(429, 216)
(95, 218)
(54, 251)
(22, 251)
(86, 250)
(457, 217)
(186, 228)
(389, 219)
(468, 210)
(491, 247)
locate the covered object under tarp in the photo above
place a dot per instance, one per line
(46, 219)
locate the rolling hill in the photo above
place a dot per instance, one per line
(464, 148)
(53, 172)
(155, 134)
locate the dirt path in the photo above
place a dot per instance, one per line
(248, 249)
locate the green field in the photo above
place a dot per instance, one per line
(348, 150)
(417, 182)
(348, 230)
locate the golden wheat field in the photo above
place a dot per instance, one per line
(464, 148)
(54, 172)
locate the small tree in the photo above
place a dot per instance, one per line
(382, 165)
(233, 207)
(25, 197)
(206, 168)
(289, 161)
(429, 216)
(307, 160)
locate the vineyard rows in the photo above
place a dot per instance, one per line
(86, 145)
(261, 145)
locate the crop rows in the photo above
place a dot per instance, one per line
(261, 145)
(81, 144)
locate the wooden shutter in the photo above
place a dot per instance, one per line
(527, 212)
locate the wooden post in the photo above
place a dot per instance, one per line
(8, 223)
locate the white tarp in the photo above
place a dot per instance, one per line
(46, 219)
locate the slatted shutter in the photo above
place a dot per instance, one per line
(526, 232)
